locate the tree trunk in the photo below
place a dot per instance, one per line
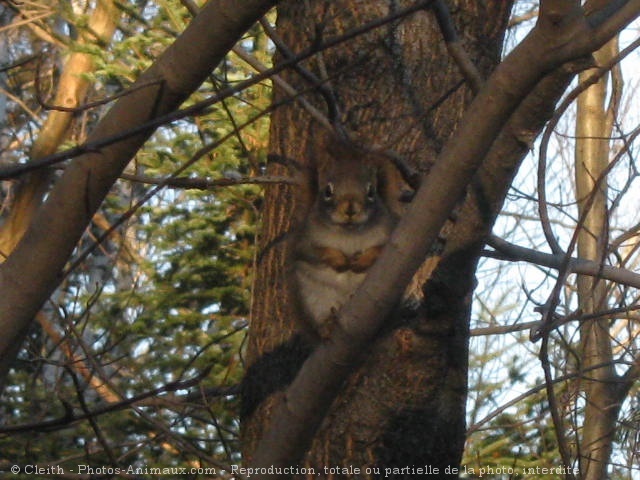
(593, 129)
(397, 88)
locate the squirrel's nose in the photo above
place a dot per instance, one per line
(352, 208)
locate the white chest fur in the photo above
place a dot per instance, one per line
(324, 290)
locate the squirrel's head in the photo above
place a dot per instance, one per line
(348, 193)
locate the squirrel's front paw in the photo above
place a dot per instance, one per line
(335, 259)
(361, 261)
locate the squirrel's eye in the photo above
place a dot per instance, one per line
(371, 192)
(328, 191)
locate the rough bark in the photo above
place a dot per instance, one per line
(31, 272)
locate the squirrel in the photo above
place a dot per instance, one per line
(345, 229)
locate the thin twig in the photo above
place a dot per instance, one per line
(321, 86)
(283, 85)
(532, 391)
(455, 48)
(548, 322)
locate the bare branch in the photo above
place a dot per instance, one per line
(206, 184)
(280, 83)
(321, 86)
(512, 252)
(457, 52)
